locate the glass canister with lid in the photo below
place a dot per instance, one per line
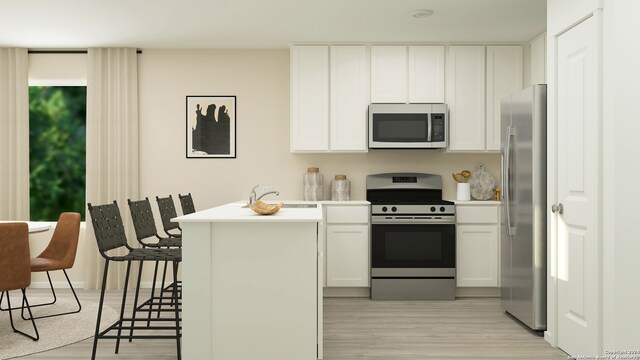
(340, 188)
(312, 184)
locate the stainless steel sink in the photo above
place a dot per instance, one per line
(300, 206)
(296, 206)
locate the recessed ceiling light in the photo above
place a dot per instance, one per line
(421, 13)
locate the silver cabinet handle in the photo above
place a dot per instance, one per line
(557, 209)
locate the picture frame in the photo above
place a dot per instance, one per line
(211, 126)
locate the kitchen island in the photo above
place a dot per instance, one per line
(252, 284)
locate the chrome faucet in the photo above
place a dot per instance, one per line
(253, 198)
(267, 193)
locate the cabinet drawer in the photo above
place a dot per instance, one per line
(477, 214)
(347, 214)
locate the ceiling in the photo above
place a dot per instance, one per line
(69, 24)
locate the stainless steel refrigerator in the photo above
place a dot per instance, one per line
(523, 225)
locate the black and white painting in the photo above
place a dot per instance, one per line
(211, 126)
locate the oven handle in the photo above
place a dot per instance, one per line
(429, 127)
(376, 220)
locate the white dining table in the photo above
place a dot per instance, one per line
(34, 226)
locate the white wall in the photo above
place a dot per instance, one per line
(621, 243)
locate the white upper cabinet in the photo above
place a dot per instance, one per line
(407, 74)
(426, 74)
(388, 74)
(504, 77)
(314, 127)
(309, 98)
(538, 70)
(349, 98)
(466, 97)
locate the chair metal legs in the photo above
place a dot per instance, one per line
(24, 299)
(55, 299)
(175, 306)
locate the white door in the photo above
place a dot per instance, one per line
(579, 168)
(477, 255)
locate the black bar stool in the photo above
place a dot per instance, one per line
(186, 202)
(110, 235)
(145, 227)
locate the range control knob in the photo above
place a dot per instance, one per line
(441, 208)
(394, 209)
(433, 209)
(384, 209)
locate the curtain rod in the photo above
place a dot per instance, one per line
(64, 51)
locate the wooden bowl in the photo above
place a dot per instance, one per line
(263, 208)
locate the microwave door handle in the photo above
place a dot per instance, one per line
(429, 127)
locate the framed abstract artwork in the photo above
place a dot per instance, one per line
(211, 126)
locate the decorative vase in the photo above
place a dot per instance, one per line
(341, 188)
(463, 193)
(482, 184)
(312, 184)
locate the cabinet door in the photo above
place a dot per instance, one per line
(348, 255)
(349, 98)
(477, 255)
(504, 77)
(309, 98)
(388, 74)
(426, 74)
(466, 97)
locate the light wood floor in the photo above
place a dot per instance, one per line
(357, 328)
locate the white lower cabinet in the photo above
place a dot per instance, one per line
(347, 246)
(347, 255)
(477, 261)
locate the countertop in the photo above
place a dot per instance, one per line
(476, 202)
(235, 212)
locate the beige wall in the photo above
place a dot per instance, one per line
(260, 80)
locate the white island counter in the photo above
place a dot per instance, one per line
(252, 284)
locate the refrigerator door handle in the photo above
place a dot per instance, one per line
(507, 172)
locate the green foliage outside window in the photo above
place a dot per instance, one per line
(57, 148)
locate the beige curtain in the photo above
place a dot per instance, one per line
(14, 134)
(112, 149)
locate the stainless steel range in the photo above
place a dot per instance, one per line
(413, 238)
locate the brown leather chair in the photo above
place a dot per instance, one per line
(60, 254)
(15, 271)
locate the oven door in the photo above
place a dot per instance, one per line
(412, 246)
(399, 130)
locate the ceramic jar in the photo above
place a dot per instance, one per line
(312, 185)
(340, 188)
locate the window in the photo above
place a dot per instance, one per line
(57, 148)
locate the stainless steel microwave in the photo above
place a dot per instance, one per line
(408, 126)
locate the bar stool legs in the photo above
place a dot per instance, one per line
(97, 333)
(177, 310)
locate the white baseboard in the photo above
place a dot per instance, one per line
(57, 285)
(548, 337)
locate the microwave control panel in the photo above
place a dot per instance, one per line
(438, 127)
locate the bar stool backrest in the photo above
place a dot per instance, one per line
(143, 221)
(186, 202)
(108, 227)
(167, 212)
